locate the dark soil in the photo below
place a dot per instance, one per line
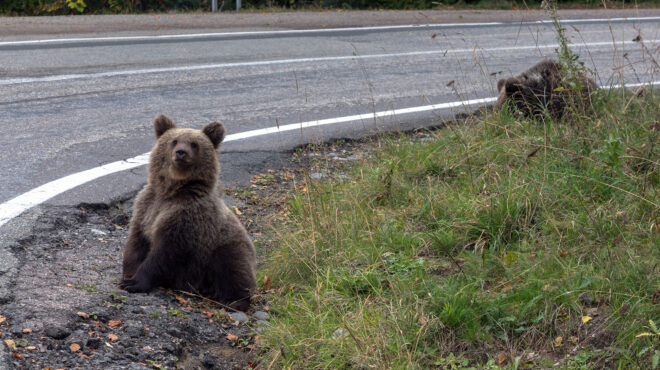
(68, 312)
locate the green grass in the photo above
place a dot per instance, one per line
(479, 247)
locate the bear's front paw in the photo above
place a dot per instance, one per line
(134, 286)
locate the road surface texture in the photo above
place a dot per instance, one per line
(81, 92)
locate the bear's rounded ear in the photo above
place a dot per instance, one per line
(162, 123)
(216, 132)
(512, 85)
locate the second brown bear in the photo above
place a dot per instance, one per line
(182, 235)
(539, 90)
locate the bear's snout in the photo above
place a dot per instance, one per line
(180, 154)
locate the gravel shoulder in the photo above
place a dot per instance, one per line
(67, 311)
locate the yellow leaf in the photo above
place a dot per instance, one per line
(586, 319)
(74, 347)
(11, 344)
(31, 347)
(108, 345)
(643, 335)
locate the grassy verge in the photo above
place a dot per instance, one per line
(509, 242)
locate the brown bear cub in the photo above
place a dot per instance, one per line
(182, 235)
(541, 89)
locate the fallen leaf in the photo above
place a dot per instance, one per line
(563, 254)
(113, 323)
(586, 319)
(501, 358)
(181, 300)
(232, 337)
(434, 35)
(533, 152)
(11, 344)
(266, 282)
(82, 314)
(108, 345)
(236, 210)
(74, 347)
(113, 337)
(2, 319)
(27, 331)
(83, 356)
(69, 285)
(450, 83)
(558, 341)
(207, 313)
(31, 347)
(17, 355)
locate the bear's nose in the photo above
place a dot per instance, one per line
(181, 154)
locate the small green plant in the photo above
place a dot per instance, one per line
(176, 313)
(89, 288)
(119, 298)
(652, 339)
(155, 315)
(77, 5)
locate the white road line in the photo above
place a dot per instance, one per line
(53, 78)
(319, 30)
(18, 205)
(36, 196)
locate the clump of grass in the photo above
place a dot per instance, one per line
(492, 242)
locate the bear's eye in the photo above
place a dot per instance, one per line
(193, 145)
(174, 143)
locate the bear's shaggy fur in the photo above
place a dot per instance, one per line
(182, 235)
(540, 89)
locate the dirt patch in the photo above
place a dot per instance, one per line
(67, 311)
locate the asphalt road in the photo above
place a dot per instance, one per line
(67, 106)
(86, 96)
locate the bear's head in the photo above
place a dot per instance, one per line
(184, 157)
(506, 88)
